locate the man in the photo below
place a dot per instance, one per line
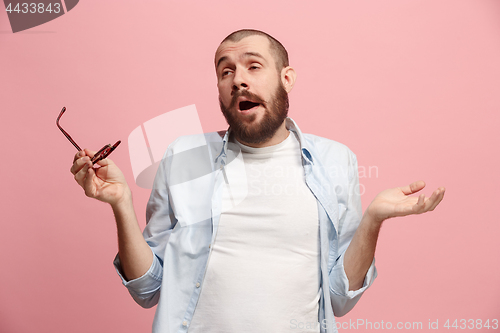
(271, 238)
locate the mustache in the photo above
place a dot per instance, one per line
(245, 93)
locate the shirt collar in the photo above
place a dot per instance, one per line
(304, 148)
(290, 125)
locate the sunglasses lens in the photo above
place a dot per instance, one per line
(102, 153)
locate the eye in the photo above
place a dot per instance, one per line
(254, 67)
(226, 72)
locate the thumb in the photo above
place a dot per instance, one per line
(104, 162)
(413, 187)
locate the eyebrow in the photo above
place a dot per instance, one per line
(246, 55)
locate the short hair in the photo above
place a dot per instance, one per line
(277, 49)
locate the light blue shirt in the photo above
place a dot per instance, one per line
(183, 215)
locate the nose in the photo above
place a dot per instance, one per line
(239, 81)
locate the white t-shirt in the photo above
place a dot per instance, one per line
(263, 272)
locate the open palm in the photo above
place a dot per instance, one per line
(398, 202)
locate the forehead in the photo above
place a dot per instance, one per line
(247, 46)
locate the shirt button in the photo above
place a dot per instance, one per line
(198, 285)
(209, 245)
(184, 323)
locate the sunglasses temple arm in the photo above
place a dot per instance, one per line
(73, 142)
(67, 135)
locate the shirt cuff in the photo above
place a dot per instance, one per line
(148, 283)
(343, 299)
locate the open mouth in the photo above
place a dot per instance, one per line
(247, 105)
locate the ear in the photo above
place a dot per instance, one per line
(288, 77)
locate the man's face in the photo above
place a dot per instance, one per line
(251, 94)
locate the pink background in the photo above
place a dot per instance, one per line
(412, 87)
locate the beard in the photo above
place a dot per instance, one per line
(245, 128)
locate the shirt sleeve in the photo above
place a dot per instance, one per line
(343, 299)
(350, 214)
(144, 289)
(160, 220)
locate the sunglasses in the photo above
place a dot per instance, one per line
(100, 155)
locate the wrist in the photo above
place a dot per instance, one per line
(371, 219)
(124, 201)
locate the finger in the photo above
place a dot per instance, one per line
(78, 155)
(420, 205)
(88, 185)
(413, 187)
(104, 162)
(439, 196)
(78, 164)
(82, 173)
(432, 201)
(421, 200)
(89, 152)
(429, 202)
